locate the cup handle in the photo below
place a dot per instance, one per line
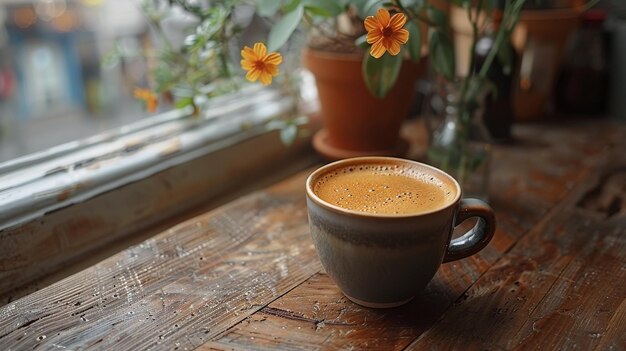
(476, 238)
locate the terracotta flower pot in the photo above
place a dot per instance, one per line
(540, 37)
(355, 120)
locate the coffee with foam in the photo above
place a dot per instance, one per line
(387, 189)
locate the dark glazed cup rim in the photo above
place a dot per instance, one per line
(379, 159)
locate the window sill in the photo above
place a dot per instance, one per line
(59, 206)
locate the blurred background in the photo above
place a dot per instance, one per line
(53, 86)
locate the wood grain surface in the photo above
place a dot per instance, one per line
(178, 289)
(246, 276)
(34, 250)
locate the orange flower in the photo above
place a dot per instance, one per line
(259, 64)
(146, 95)
(386, 33)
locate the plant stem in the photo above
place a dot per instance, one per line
(463, 99)
(461, 171)
(511, 13)
(332, 37)
(161, 33)
(224, 49)
(415, 18)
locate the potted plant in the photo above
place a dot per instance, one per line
(461, 145)
(370, 90)
(544, 29)
(364, 99)
(191, 53)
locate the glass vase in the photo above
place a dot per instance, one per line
(461, 145)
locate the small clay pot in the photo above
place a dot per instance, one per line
(353, 118)
(542, 35)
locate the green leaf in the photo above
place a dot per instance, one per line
(283, 29)
(194, 42)
(438, 17)
(461, 3)
(184, 102)
(344, 3)
(415, 42)
(111, 59)
(415, 4)
(317, 11)
(361, 41)
(288, 134)
(324, 8)
(380, 74)
(267, 8)
(291, 6)
(505, 56)
(441, 53)
(367, 7)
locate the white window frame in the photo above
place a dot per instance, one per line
(43, 195)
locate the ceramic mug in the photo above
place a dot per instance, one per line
(385, 260)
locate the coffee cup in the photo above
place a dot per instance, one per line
(382, 226)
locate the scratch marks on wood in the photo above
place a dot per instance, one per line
(556, 289)
(204, 275)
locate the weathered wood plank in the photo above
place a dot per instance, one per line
(316, 315)
(181, 287)
(557, 289)
(531, 185)
(560, 287)
(614, 337)
(36, 249)
(233, 278)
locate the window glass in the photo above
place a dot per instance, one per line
(53, 85)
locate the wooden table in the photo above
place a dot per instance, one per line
(246, 276)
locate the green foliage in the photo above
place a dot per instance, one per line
(202, 65)
(505, 56)
(362, 41)
(366, 8)
(283, 29)
(202, 60)
(288, 128)
(111, 58)
(415, 41)
(438, 18)
(323, 8)
(413, 3)
(268, 8)
(184, 102)
(442, 53)
(381, 74)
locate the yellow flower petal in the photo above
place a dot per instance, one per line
(260, 50)
(386, 33)
(394, 48)
(140, 93)
(266, 78)
(378, 49)
(371, 24)
(374, 36)
(382, 16)
(259, 63)
(271, 69)
(273, 58)
(151, 104)
(248, 54)
(397, 21)
(402, 36)
(253, 75)
(247, 65)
